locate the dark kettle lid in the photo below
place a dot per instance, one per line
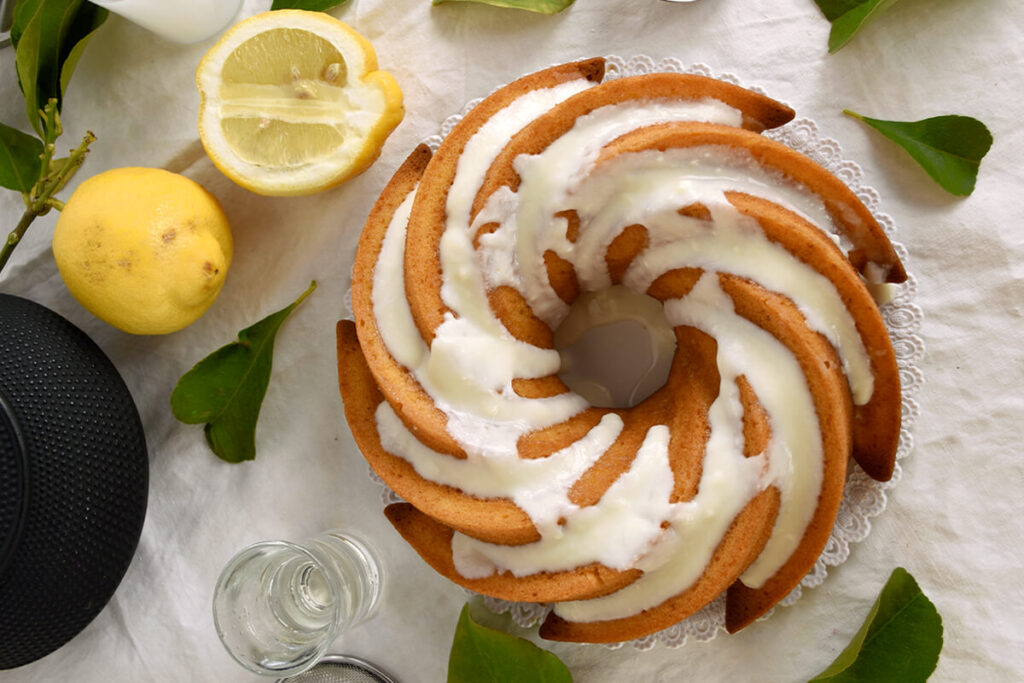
(74, 479)
(13, 482)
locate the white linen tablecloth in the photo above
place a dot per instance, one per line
(954, 520)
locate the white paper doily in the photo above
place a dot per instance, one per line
(863, 497)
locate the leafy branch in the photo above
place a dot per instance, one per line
(52, 176)
(49, 37)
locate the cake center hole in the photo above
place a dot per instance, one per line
(616, 347)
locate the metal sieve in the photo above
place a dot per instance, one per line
(342, 669)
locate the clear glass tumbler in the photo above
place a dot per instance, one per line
(278, 605)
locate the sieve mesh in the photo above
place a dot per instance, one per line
(342, 669)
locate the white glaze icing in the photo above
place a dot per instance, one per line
(630, 512)
(469, 367)
(509, 254)
(539, 486)
(390, 307)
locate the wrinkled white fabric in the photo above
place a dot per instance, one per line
(952, 520)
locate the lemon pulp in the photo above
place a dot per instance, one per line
(280, 113)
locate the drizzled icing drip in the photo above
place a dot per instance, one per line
(539, 486)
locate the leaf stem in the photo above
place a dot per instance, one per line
(40, 199)
(15, 236)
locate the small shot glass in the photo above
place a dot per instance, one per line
(278, 605)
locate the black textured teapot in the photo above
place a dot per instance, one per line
(74, 477)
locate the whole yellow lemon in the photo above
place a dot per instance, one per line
(143, 249)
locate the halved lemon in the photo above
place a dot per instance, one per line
(292, 103)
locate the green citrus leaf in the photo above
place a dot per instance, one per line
(483, 654)
(539, 6)
(899, 641)
(87, 21)
(225, 390)
(950, 148)
(848, 17)
(46, 35)
(20, 159)
(23, 9)
(312, 5)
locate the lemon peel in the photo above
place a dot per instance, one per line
(292, 103)
(143, 249)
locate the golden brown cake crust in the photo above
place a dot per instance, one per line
(423, 265)
(847, 211)
(876, 424)
(496, 521)
(741, 544)
(412, 404)
(433, 541)
(758, 112)
(780, 317)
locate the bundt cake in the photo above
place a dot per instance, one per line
(727, 478)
